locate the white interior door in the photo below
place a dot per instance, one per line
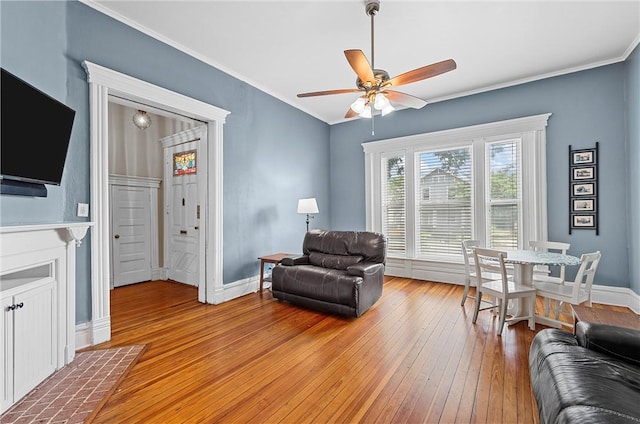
(131, 234)
(183, 215)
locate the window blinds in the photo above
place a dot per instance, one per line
(394, 204)
(443, 202)
(503, 168)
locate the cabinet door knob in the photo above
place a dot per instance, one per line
(117, 236)
(11, 308)
(20, 305)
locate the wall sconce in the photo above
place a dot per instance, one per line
(308, 206)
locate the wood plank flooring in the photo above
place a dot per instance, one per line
(413, 357)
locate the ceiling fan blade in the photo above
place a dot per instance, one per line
(404, 99)
(350, 114)
(423, 73)
(360, 65)
(328, 92)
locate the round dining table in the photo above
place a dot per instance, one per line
(523, 262)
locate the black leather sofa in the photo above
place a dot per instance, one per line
(339, 272)
(592, 377)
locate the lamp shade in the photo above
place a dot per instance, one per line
(307, 205)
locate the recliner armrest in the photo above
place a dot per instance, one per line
(295, 260)
(619, 342)
(363, 269)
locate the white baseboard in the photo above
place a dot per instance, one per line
(83, 335)
(240, 288)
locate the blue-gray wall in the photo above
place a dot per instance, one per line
(274, 154)
(633, 162)
(587, 107)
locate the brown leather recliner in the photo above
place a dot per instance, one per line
(340, 272)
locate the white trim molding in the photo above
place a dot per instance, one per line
(531, 130)
(104, 82)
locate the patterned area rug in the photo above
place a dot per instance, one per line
(75, 393)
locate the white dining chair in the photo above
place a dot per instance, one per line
(470, 270)
(469, 267)
(573, 293)
(490, 262)
(542, 273)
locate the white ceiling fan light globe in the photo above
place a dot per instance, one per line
(366, 113)
(380, 101)
(359, 105)
(387, 109)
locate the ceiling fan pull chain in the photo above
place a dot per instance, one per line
(373, 128)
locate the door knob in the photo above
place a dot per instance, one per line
(183, 231)
(117, 236)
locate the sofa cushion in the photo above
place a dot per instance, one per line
(371, 246)
(327, 260)
(574, 384)
(325, 284)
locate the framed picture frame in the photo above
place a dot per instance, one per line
(582, 205)
(584, 221)
(583, 157)
(583, 189)
(584, 173)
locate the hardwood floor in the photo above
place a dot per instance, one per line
(413, 357)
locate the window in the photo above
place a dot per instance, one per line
(393, 204)
(444, 219)
(485, 182)
(503, 173)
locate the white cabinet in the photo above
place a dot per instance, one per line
(28, 340)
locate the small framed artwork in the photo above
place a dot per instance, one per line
(584, 173)
(584, 189)
(584, 221)
(184, 163)
(583, 157)
(583, 205)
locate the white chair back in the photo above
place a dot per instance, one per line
(584, 277)
(467, 253)
(488, 263)
(546, 246)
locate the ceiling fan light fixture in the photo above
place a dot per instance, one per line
(366, 113)
(359, 105)
(380, 101)
(387, 109)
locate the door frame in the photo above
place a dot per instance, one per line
(104, 82)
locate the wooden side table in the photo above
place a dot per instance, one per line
(604, 316)
(270, 259)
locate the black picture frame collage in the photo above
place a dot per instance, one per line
(583, 189)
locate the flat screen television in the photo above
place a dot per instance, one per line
(35, 133)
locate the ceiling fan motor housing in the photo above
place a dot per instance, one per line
(381, 76)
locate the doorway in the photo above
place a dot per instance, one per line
(102, 83)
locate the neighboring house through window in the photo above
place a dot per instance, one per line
(429, 192)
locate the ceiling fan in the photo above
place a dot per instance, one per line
(376, 85)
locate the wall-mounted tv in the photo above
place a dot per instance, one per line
(35, 133)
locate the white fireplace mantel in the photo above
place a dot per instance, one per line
(25, 247)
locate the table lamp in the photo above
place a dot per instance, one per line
(308, 206)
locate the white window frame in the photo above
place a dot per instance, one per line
(531, 130)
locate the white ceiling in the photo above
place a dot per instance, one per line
(290, 47)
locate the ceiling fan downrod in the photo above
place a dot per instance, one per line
(372, 7)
